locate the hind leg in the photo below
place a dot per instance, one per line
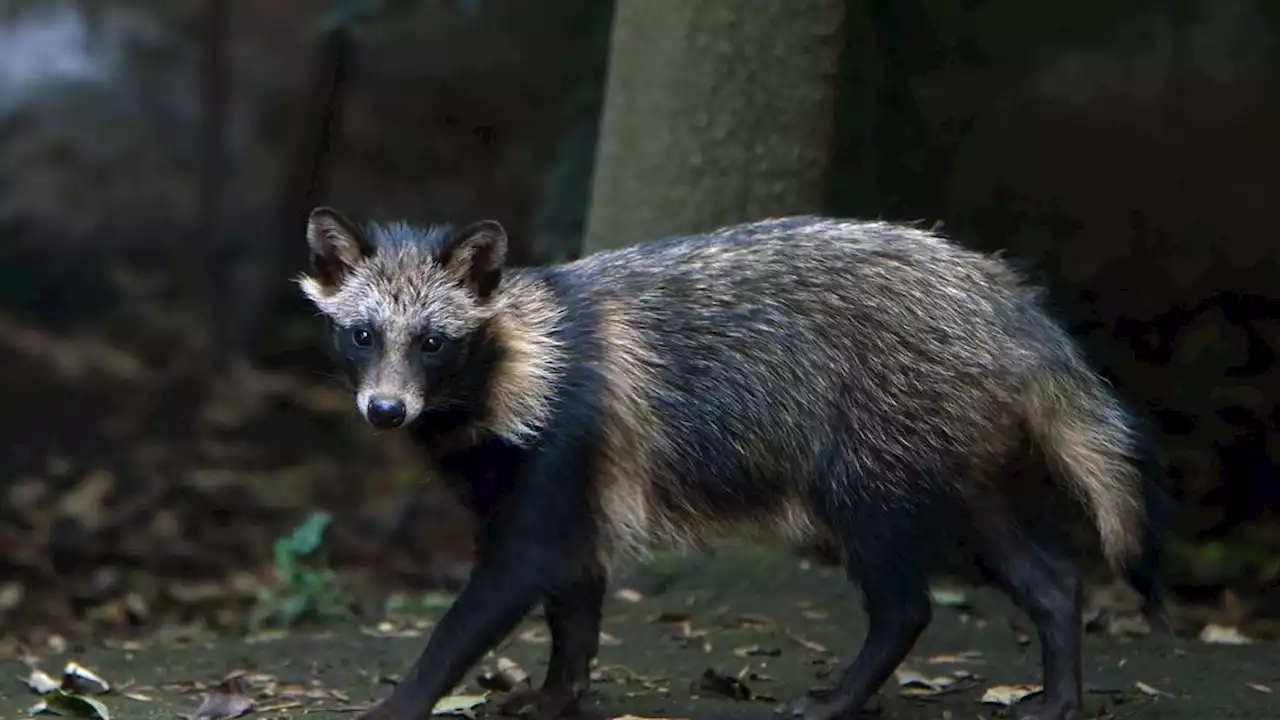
(573, 616)
(896, 599)
(1046, 585)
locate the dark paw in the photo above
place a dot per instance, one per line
(1039, 709)
(809, 708)
(541, 704)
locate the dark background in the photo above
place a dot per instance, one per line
(168, 411)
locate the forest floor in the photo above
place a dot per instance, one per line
(699, 637)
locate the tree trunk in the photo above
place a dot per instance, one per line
(716, 111)
(260, 282)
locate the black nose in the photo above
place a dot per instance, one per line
(385, 413)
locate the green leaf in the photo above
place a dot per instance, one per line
(293, 608)
(60, 702)
(437, 600)
(306, 588)
(286, 568)
(459, 704)
(395, 603)
(948, 597)
(306, 538)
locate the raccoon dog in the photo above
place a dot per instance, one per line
(864, 384)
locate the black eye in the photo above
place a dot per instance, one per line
(361, 337)
(432, 344)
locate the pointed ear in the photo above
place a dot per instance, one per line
(336, 246)
(475, 255)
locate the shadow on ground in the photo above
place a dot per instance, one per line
(778, 630)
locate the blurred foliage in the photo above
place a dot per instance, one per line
(348, 13)
(307, 589)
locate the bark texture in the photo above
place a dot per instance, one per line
(716, 111)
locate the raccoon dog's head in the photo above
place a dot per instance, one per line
(408, 308)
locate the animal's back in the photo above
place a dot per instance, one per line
(751, 363)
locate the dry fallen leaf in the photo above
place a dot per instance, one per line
(1129, 626)
(1223, 635)
(227, 699)
(535, 636)
(1009, 695)
(223, 705)
(756, 651)
(915, 684)
(811, 645)
(966, 656)
(506, 678)
(629, 595)
(724, 685)
(750, 621)
(41, 682)
(80, 679)
(69, 695)
(56, 644)
(1146, 689)
(607, 639)
(265, 709)
(1116, 610)
(622, 674)
(387, 629)
(11, 593)
(683, 622)
(459, 705)
(1260, 688)
(86, 502)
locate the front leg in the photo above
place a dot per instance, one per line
(502, 589)
(573, 615)
(538, 538)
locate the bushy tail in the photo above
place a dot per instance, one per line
(1145, 572)
(1090, 441)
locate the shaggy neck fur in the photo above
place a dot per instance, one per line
(528, 361)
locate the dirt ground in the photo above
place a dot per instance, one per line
(778, 628)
